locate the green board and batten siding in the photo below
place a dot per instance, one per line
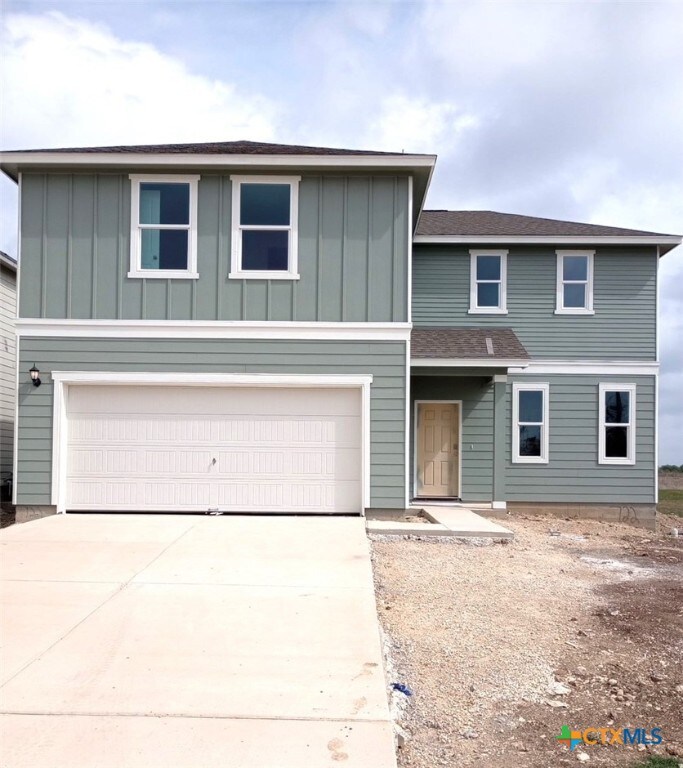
(384, 360)
(622, 328)
(353, 246)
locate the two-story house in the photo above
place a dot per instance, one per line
(282, 329)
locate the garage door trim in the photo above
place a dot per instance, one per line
(65, 379)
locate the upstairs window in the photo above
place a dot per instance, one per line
(530, 433)
(617, 440)
(488, 282)
(264, 227)
(574, 282)
(163, 226)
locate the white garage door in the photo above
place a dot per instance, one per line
(212, 448)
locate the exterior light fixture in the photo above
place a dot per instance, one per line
(34, 374)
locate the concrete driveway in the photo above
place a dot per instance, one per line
(133, 641)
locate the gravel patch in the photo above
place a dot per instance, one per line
(477, 630)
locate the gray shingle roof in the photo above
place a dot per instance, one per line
(491, 223)
(487, 344)
(217, 148)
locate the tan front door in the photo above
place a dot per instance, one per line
(438, 449)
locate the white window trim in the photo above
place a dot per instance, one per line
(136, 270)
(631, 426)
(536, 386)
(236, 271)
(560, 309)
(501, 309)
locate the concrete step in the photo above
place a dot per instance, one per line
(460, 521)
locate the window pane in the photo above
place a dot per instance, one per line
(529, 441)
(164, 203)
(265, 249)
(616, 442)
(531, 406)
(264, 204)
(164, 249)
(575, 267)
(617, 407)
(574, 295)
(488, 267)
(487, 294)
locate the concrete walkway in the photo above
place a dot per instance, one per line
(456, 522)
(133, 641)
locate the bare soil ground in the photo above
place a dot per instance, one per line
(483, 633)
(6, 514)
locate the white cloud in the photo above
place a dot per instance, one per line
(69, 82)
(417, 125)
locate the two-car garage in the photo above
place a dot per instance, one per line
(281, 444)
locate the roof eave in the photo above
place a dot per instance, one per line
(666, 242)
(12, 163)
(8, 262)
(453, 362)
(421, 167)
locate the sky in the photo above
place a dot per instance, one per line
(570, 110)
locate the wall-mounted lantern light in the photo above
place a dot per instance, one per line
(35, 374)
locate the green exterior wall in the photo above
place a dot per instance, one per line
(622, 328)
(384, 360)
(353, 254)
(572, 474)
(476, 450)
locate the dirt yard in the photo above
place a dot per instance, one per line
(572, 623)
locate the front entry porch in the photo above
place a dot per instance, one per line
(457, 438)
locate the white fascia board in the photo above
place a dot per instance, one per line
(189, 379)
(597, 240)
(9, 161)
(216, 329)
(432, 362)
(594, 367)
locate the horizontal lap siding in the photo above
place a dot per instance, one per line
(477, 428)
(8, 309)
(384, 360)
(622, 328)
(353, 254)
(573, 473)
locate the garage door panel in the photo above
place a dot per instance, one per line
(210, 401)
(233, 496)
(305, 458)
(260, 429)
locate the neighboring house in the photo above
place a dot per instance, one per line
(8, 376)
(268, 328)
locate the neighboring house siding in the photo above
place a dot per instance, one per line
(476, 448)
(622, 328)
(8, 309)
(384, 360)
(573, 473)
(353, 254)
